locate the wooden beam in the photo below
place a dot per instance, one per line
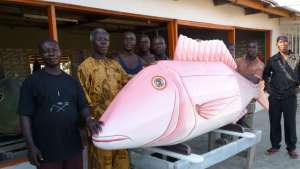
(268, 41)
(251, 29)
(220, 2)
(231, 36)
(204, 25)
(172, 36)
(262, 7)
(52, 23)
(250, 11)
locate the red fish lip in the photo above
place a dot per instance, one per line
(107, 139)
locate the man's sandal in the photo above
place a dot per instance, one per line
(271, 151)
(293, 154)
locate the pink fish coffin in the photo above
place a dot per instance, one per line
(173, 101)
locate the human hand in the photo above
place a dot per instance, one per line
(93, 125)
(35, 156)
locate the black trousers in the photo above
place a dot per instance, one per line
(287, 107)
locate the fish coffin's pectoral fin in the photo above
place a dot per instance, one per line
(210, 109)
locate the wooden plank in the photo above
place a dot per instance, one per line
(268, 41)
(231, 36)
(52, 23)
(13, 162)
(12, 147)
(172, 36)
(11, 142)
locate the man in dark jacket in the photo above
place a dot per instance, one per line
(281, 76)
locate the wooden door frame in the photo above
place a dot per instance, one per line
(268, 39)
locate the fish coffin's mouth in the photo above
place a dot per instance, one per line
(108, 139)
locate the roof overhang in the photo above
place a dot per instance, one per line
(257, 6)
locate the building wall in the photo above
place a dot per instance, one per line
(18, 43)
(21, 37)
(29, 37)
(192, 10)
(15, 62)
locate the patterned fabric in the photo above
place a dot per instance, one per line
(102, 80)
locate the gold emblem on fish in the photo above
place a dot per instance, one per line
(159, 83)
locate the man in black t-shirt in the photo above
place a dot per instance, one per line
(51, 104)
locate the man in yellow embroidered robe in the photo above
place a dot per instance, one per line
(102, 78)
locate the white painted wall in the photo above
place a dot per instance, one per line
(193, 10)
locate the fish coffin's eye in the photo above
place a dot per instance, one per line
(159, 82)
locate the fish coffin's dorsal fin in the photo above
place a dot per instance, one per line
(188, 49)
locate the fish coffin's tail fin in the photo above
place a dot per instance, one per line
(188, 49)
